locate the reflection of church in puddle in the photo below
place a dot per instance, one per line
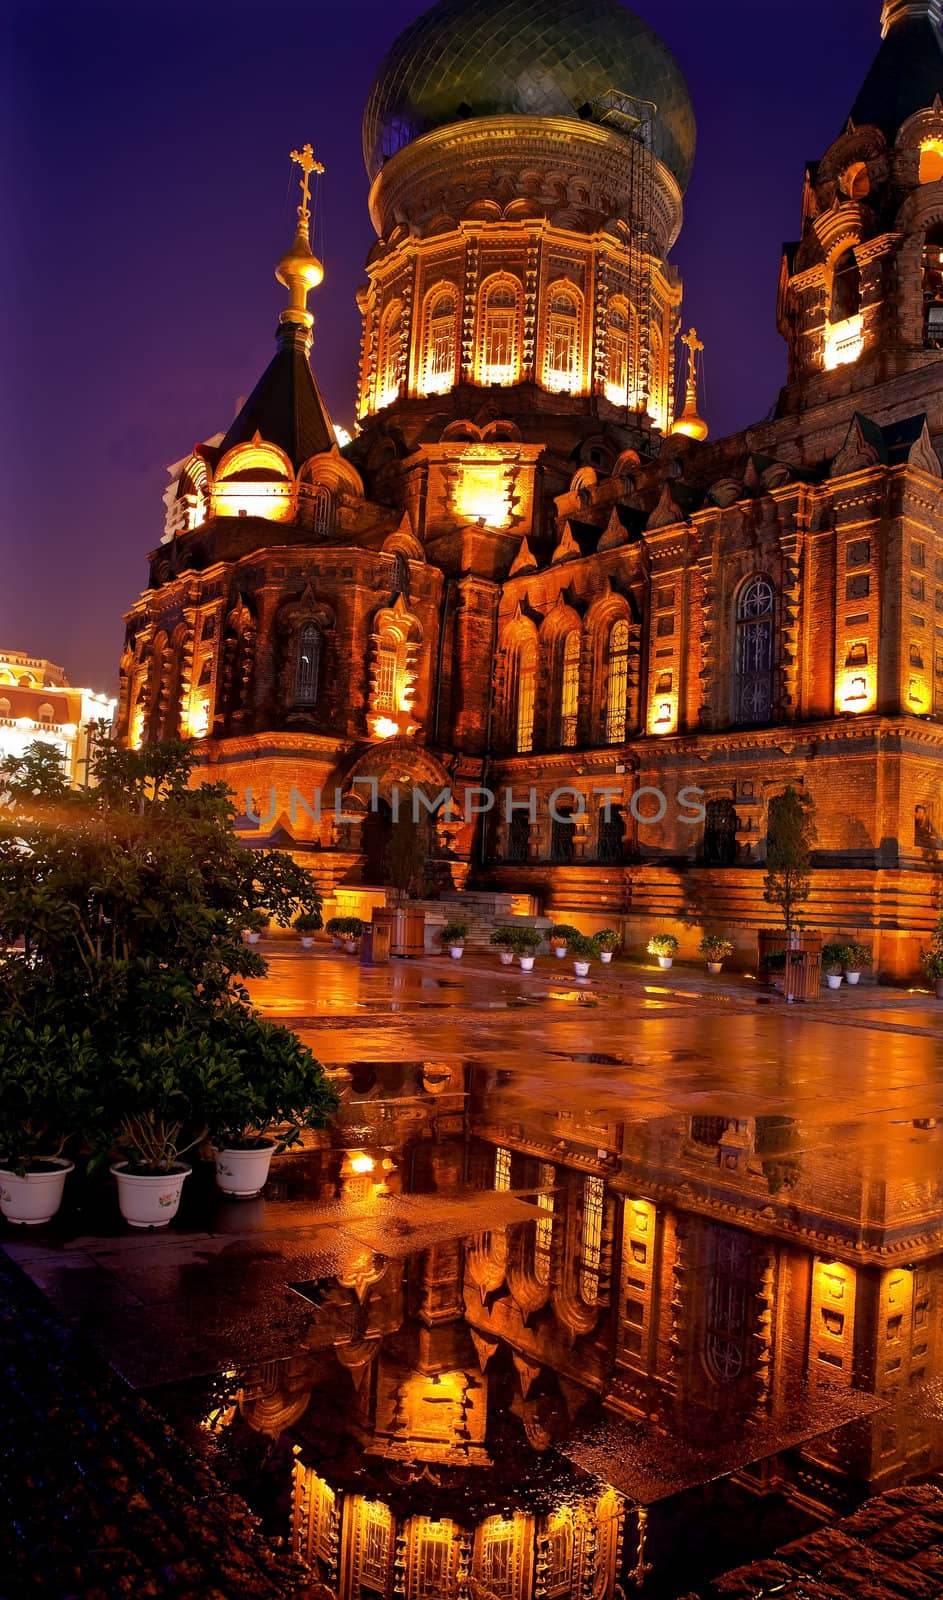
(657, 1306)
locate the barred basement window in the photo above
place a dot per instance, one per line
(617, 686)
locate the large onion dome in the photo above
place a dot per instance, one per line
(538, 58)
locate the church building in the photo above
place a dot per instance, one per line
(531, 582)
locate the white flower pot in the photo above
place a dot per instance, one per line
(506, 956)
(337, 941)
(37, 1196)
(455, 951)
(149, 1200)
(833, 979)
(252, 937)
(852, 977)
(715, 967)
(243, 1172)
(559, 951)
(306, 941)
(527, 963)
(665, 962)
(605, 957)
(581, 968)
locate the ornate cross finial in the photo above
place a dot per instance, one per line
(689, 422)
(694, 344)
(304, 158)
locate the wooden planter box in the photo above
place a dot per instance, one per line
(409, 932)
(802, 974)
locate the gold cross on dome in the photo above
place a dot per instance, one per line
(693, 343)
(304, 158)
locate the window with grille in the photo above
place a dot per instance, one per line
(617, 353)
(933, 287)
(498, 1565)
(526, 694)
(754, 651)
(591, 1240)
(563, 338)
(543, 1239)
(559, 1559)
(387, 659)
(433, 1561)
(306, 664)
(501, 334)
(502, 1168)
(374, 1547)
(570, 689)
(391, 349)
(617, 686)
(728, 1311)
(439, 363)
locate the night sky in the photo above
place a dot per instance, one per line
(147, 200)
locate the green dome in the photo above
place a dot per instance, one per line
(537, 58)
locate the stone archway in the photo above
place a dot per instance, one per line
(391, 780)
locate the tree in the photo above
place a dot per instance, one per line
(790, 836)
(122, 910)
(406, 858)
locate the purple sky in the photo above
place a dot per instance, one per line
(147, 200)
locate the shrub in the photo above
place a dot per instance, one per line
(344, 927)
(606, 939)
(562, 933)
(582, 948)
(48, 1078)
(663, 944)
(525, 941)
(775, 961)
(860, 957)
(714, 947)
(932, 958)
(503, 938)
(453, 933)
(308, 922)
(789, 840)
(834, 959)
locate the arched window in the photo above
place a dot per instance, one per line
(389, 646)
(518, 844)
(591, 1239)
(620, 352)
(321, 506)
(845, 298)
(569, 688)
(389, 365)
(617, 681)
(719, 848)
(658, 379)
(45, 713)
(5, 707)
(562, 352)
(307, 662)
(439, 342)
(501, 331)
(543, 1238)
(933, 287)
(754, 651)
(730, 1305)
(610, 830)
(526, 693)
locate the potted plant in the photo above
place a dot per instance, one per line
(274, 1089)
(560, 937)
(454, 935)
(45, 1074)
(606, 943)
(255, 926)
(715, 949)
(859, 960)
(346, 932)
(834, 961)
(525, 944)
(790, 836)
(932, 959)
(664, 946)
(503, 939)
(405, 864)
(306, 926)
(582, 949)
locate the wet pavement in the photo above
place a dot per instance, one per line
(593, 1288)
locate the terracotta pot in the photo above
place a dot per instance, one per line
(581, 968)
(243, 1173)
(507, 957)
(455, 951)
(715, 967)
(150, 1200)
(36, 1197)
(665, 962)
(527, 963)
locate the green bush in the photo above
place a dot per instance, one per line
(307, 922)
(860, 957)
(48, 1076)
(344, 927)
(663, 944)
(503, 938)
(582, 948)
(834, 959)
(453, 933)
(714, 947)
(562, 933)
(606, 939)
(525, 941)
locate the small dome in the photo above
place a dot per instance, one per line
(538, 58)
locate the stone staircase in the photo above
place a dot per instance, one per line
(482, 913)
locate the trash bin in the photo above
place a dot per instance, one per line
(375, 944)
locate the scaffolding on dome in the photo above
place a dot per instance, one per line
(635, 120)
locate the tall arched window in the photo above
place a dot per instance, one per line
(562, 351)
(543, 1239)
(617, 681)
(307, 662)
(933, 287)
(389, 365)
(569, 688)
(845, 298)
(526, 694)
(501, 331)
(439, 342)
(730, 1305)
(658, 379)
(754, 651)
(591, 1239)
(620, 352)
(389, 646)
(321, 509)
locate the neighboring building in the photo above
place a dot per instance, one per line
(38, 702)
(521, 574)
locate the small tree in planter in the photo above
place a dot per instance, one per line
(306, 926)
(48, 1098)
(606, 943)
(834, 960)
(715, 949)
(664, 946)
(560, 936)
(454, 935)
(525, 942)
(858, 960)
(503, 939)
(406, 863)
(345, 931)
(791, 834)
(582, 949)
(932, 960)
